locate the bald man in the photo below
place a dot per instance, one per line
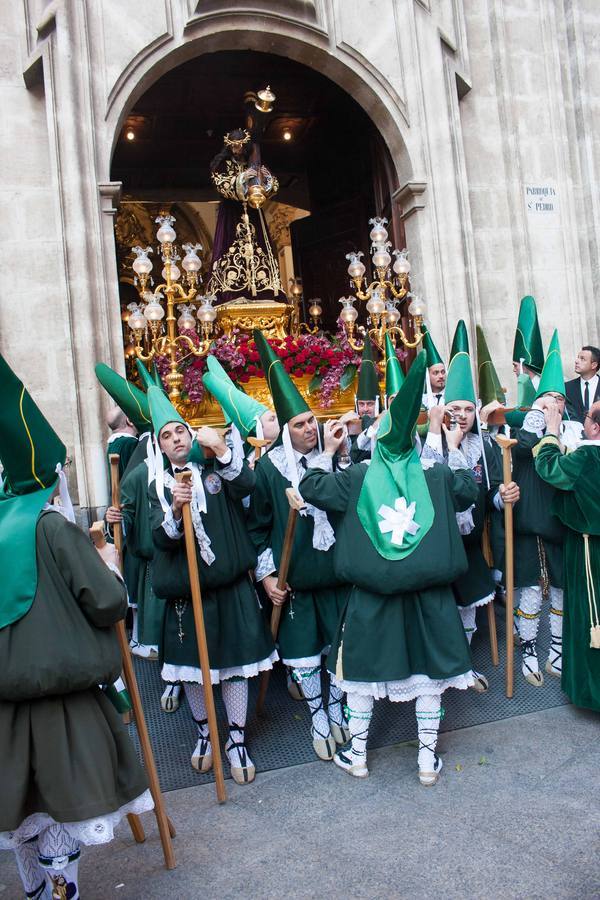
(123, 437)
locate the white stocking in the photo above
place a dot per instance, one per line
(310, 679)
(59, 858)
(334, 706)
(556, 623)
(429, 712)
(235, 698)
(528, 623)
(134, 627)
(32, 876)
(468, 614)
(359, 710)
(195, 697)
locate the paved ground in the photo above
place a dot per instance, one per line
(515, 815)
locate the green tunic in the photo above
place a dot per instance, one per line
(401, 618)
(310, 617)
(124, 445)
(140, 549)
(239, 642)
(538, 535)
(63, 747)
(576, 478)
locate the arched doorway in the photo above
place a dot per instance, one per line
(334, 168)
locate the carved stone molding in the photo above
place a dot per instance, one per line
(409, 197)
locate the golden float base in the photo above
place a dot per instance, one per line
(272, 317)
(208, 412)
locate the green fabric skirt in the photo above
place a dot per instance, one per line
(68, 756)
(528, 569)
(477, 585)
(237, 634)
(581, 664)
(394, 638)
(309, 621)
(150, 607)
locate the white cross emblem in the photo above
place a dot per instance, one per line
(398, 520)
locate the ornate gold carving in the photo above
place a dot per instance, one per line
(270, 316)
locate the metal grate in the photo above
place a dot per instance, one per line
(281, 737)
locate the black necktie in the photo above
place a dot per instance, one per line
(438, 397)
(586, 397)
(303, 463)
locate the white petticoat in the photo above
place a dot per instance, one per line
(483, 602)
(306, 662)
(407, 689)
(99, 830)
(174, 673)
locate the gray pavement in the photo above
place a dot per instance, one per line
(516, 814)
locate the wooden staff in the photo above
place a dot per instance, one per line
(296, 504)
(486, 549)
(165, 826)
(192, 561)
(506, 444)
(259, 445)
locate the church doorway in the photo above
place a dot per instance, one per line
(333, 168)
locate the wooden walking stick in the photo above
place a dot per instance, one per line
(165, 826)
(486, 548)
(296, 504)
(259, 445)
(506, 444)
(192, 561)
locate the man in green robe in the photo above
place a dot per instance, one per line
(538, 534)
(400, 634)
(314, 596)
(69, 770)
(477, 586)
(239, 643)
(575, 478)
(123, 438)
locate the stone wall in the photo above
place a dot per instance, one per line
(476, 99)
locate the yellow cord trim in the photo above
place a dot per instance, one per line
(547, 439)
(33, 472)
(137, 403)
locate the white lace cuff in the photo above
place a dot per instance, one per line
(172, 529)
(232, 464)
(363, 440)
(535, 422)
(457, 460)
(434, 441)
(499, 502)
(265, 565)
(323, 461)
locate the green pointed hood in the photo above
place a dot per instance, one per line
(149, 378)
(489, 383)
(394, 376)
(368, 377)
(30, 451)
(552, 378)
(528, 339)
(126, 395)
(162, 410)
(460, 341)
(240, 409)
(433, 357)
(395, 479)
(287, 399)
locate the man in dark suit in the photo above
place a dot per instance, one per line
(585, 389)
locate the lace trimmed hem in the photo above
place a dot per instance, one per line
(99, 830)
(175, 674)
(305, 662)
(407, 689)
(483, 602)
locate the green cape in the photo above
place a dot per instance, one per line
(287, 399)
(394, 376)
(552, 378)
(30, 451)
(126, 395)
(528, 339)
(433, 357)
(395, 479)
(368, 378)
(240, 409)
(489, 383)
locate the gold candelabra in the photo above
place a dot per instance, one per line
(383, 294)
(151, 336)
(315, 310)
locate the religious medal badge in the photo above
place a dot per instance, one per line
(213, 483)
